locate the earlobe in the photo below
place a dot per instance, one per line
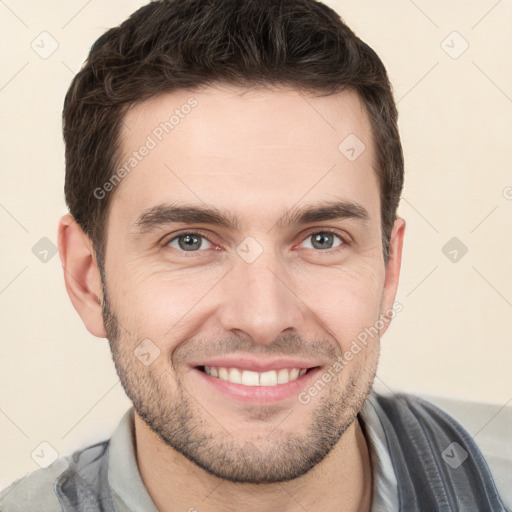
(81, 274)
(392, 270)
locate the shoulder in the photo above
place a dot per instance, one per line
(445, 434)
(34, 491)
(486, 424)
(410, 412)
(489, 425)
(37, 490)
(413, 421)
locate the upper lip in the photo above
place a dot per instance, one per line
(257, 365)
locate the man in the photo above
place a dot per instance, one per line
(233, 171)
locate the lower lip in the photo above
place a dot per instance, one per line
(258, 394)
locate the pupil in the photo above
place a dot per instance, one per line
(322, 238)
(190, 242)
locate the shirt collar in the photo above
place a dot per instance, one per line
(128, 491)
(385, 485)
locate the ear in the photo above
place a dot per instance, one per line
(81, 274)
(392, 271)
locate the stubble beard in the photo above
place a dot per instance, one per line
(185, 426)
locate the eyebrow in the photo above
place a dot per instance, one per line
(169, 213)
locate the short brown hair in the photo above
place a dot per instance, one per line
(183, 44)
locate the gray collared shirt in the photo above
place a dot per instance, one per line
(407, 439)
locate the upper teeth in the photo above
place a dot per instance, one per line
(249, 378)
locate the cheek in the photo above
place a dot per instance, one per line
(160, 304)
(347, 301)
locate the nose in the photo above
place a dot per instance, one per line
(260, 300)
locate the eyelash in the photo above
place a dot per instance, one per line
(343, 239)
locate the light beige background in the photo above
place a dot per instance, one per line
(452, 338)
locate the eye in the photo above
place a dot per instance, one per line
(194, 242)
(324, 240)
(188, 242)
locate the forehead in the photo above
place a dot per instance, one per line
(225, 115)
(245, 149)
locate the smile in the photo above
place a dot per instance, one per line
(252, 378)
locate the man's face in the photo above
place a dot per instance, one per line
(262, 297)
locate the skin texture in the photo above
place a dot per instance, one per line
(258, 154)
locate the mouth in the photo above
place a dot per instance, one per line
(255, 385)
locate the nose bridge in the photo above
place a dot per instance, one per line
(258, 299)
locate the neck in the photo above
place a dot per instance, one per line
(342, 481)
